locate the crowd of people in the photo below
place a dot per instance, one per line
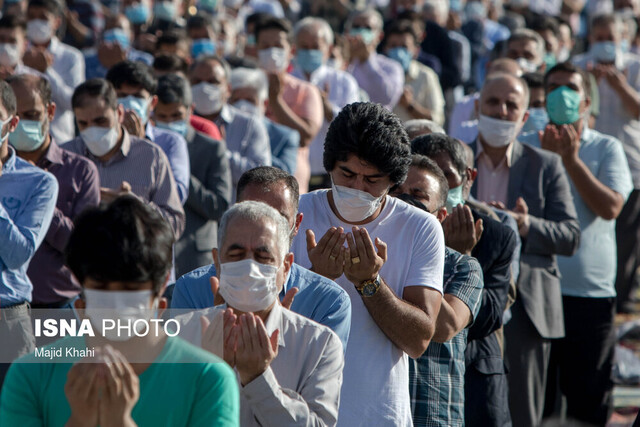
(358, 212)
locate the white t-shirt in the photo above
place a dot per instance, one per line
(375, 389)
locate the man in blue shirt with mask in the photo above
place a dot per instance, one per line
(318, 298)
(27, 200)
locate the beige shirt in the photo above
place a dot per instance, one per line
(302, 384)
(493, 182)
(427, 92)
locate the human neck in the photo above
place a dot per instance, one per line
(496, 154)
(35, 156)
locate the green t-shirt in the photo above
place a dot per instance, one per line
(204, 393)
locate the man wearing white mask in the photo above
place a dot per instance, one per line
(249, 93)
(618, 78)
(246, 137)
(391, 267)
(126, 164)
(533, 187)
(527, 48)
(289, 367)
(292, 101)
(313, 41)
(63, 64)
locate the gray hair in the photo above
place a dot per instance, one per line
(529, 35)
(252, 78)
(369, 13)
(418, 127)
(309, 24)
(257, 212)
(439, 7)
(213, 58)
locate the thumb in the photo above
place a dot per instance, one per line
(311, 240)
(204, 324)
(382, 248)
(215, 284)
(274, 340)
(479, 229)
(288, 298)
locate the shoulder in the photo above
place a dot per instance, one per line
(197, 274)
(168, 136)
(29, 171)
(544, 156)
(315, 198)
(316, 283)
(77, 160)
(581, 60)
(71, 51)
(200, 139)
(146, 147)
(410, 215)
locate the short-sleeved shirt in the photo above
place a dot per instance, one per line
(436, 379)
(591, 272)
(201, 393)
(375, 390)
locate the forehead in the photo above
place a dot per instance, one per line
(27, 96)
(357, 165)
(503, 88)
(272, 34)
(604, 29)
(565, 78)
(244, 92)
(522, 44)
(173, 107)
(310, 32)
(91, 107)
(277, 195)
(209, 68)
(363, 20)
(250, 234)
(420, 178)
(396, 38)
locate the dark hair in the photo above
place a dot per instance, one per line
(534, 80)
(174, 88)
(42, 85)
(272, 23)
(133, 73)
(172, 37)
(203, 20)
(8, 98)
(13, 21)
(401, 27)
(426, 164)
(50, 5)
(415, 18)
(255, 18)
(95, 88)
(170, 64)
(267, 176)
(125, 241)
(542, 23)
(433, 144)
(372, 133)
(569, 67)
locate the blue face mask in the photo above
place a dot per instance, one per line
(201, 47)
(455, 5)
(207, 5)
(309, 59)
(28, 136)
(401, 55)
(454, 198)
(563, 105)
(476, 10)
(366, 34)
(140, 106)
(537, 120)
(604, 51)
(179, 126)
(624, 45)
(117, 35)
(137, 14)
(165, 11)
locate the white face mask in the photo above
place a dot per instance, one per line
(9, 54)
(39, 31)
(207, 98)
(526, 65)
(126, 306)
(354, 205)
(248, 285)
(497, 133)
(99, 141)
(273, 60)
(248, 107)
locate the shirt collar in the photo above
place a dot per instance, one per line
(53, 154)
(507, 155)
(54, 44)
(275, 321)
(226, 114)
(10, 165)
(149, 131)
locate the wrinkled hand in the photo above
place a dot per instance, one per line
(286, 302)
(368, 262)
(615, 77)
(520, 213)
(255, 349)
(460, 232)
(133, 124)
(229, 345)
(328, 255)
(562, 140)
(276, 86)
(110, 54)
(81, 390)
(38, 59)
(357, 48)
(121, 389)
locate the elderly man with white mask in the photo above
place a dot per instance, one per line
(289, 367)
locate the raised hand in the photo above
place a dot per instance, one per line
(121, 390)
(460, 231)
(328, 255)
(363, 261)
(255, 350)
(81, 390)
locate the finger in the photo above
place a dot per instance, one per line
(479, 229)
(468, 220)
(331, 243)
(246, 332)
(128, 374)
(342, 257)
(353, 250)
(322, 244)
(117, 364)
(274, 340)
(311, 240)
(253, 332)
(368, 244)
(112, 383)
(288, 298)
(262, 336)
(382, 249)
(204, 327)
(361, 251)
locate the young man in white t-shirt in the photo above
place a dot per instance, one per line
(387, 255)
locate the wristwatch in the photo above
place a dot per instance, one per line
(369, 288)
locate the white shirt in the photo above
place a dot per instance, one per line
(375, 391)
(614, 119)
(66, 73)
(343, 90)
(427, 92)
(303, 381)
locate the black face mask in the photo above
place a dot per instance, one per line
(408, 198)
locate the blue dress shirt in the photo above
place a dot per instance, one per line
(28, 198)
(318, 298)
(175, 147)
(284, 145)
(95, 69)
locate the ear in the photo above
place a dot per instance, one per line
(441, 214)
(14, 123)
(56, 23)
(153, 103)
(288, 261)
(298, 222)
(51, 111)
(525, 117)
(120, 113)
(216, 260)
(472, 174)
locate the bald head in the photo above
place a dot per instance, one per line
(506, 66)
(31, 86)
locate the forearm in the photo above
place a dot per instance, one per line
(447, 323)
(602, 200)
(19, 244)
(209, 204)
(407, 326)
(287, 117)
(417, 111)
(59, 230)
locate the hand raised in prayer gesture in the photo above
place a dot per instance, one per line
(255, 348)
(81, 390)
(120, 391)
(562, 140)
(363, 262)
(460, 231)
(328, 255)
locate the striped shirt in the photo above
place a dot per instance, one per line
(436, 379)
(145, 166)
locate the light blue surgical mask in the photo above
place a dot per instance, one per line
(475, 10)
(138, 13)
(549, 60)
(210, 6)
(563, 105)
(179, 126)
(537, 120)
(366, 34)
(309, 59)
(28, 136)
(165, 11)
(604, 51)
(402, 56)
(454, 198)
(624, 45)
(201, 47)
(140, 106)
(117, 35)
